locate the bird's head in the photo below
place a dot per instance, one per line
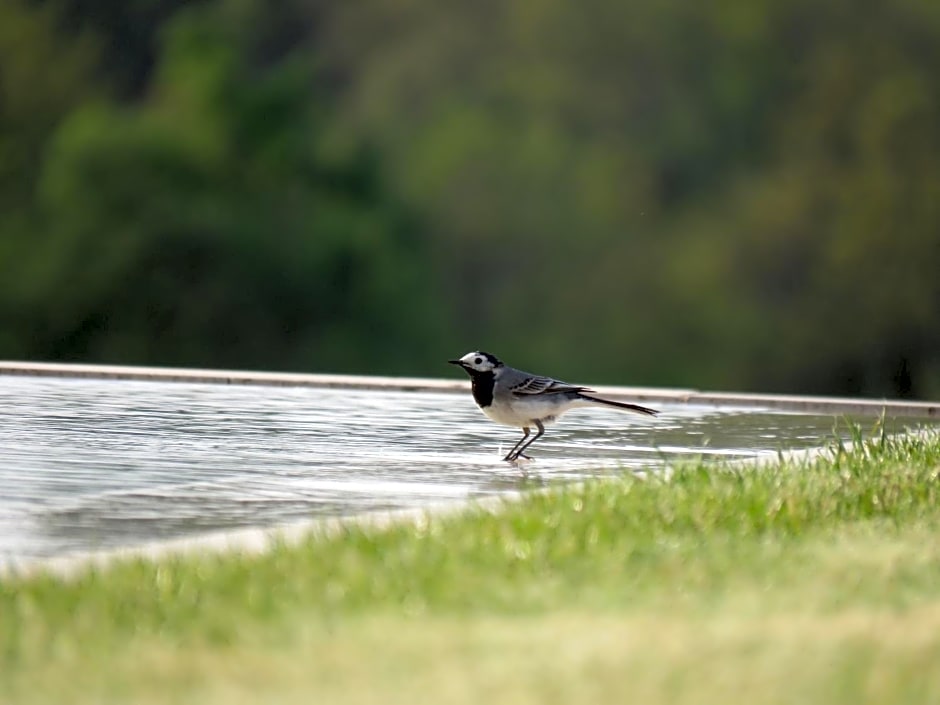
(478, 362)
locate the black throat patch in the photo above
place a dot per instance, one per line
(482, 383)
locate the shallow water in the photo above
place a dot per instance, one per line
(88, 464)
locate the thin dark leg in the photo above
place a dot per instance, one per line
(512, 455)
(534, 438)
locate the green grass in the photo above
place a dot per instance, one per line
(802, 582)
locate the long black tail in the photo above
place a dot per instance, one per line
(621, 405)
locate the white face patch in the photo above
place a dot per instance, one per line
(477, 361)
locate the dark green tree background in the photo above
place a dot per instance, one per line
(740, 196)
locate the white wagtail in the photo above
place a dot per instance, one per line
(516, 398)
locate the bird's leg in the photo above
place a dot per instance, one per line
(522, 446)
(512, 455)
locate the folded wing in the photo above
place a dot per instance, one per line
(544, 385)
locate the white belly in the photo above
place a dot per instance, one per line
(526, 411)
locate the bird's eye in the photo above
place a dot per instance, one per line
(478, 361)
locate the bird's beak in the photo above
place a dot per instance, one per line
(456, 362)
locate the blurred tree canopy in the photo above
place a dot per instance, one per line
(741, 196)
(213, 223)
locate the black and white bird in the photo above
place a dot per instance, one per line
(516, 398)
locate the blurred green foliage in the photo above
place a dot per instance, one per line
(742, 196)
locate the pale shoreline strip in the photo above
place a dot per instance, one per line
(788, 402)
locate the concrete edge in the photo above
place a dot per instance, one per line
(250, 541)
(786, 402)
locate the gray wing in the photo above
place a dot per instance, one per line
(523, 384)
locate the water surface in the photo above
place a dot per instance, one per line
(88, 464)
